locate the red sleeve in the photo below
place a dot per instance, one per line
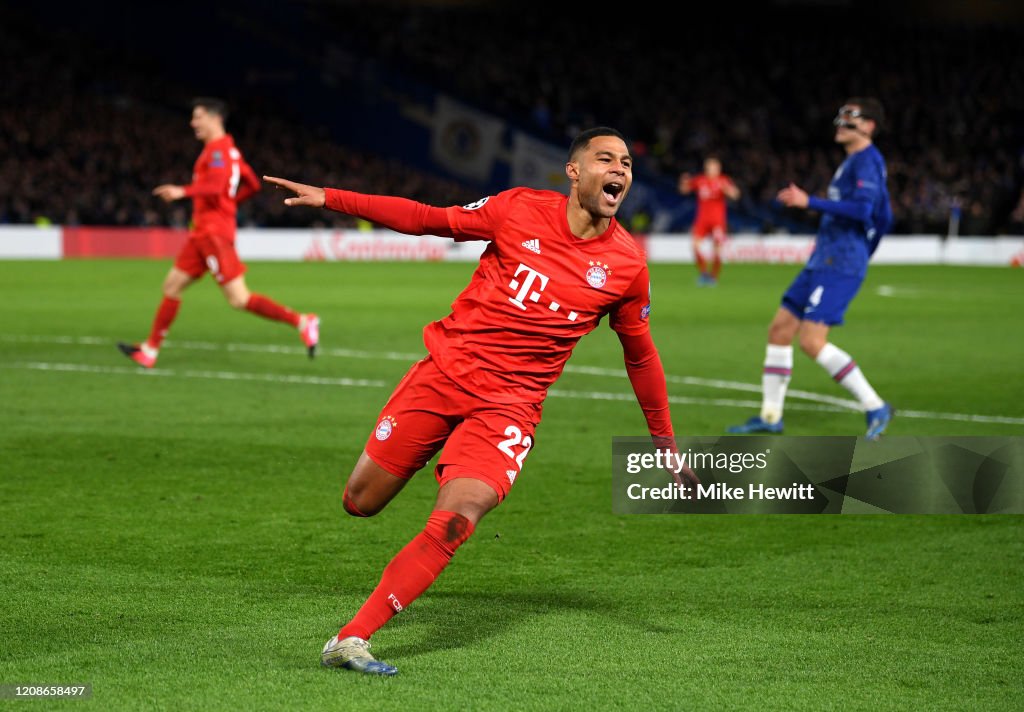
(643, 366)
(250, 184)
(211, 180)
(398, 214)
(211, 183)
(481, 219)
(630, 314)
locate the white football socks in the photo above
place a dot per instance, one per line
(778, 367)
(844, 371)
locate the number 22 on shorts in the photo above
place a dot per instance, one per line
(515, 437)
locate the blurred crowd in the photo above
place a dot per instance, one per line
(88, 143)
(84, 136)
(760, 92)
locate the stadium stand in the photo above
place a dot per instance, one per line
(83, 146)
(85, 136)
(758, 92)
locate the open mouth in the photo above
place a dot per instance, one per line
(613, 191)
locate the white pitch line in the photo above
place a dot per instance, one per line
(687, 400)
(964, 417)
(366, 383)
(408, 357)
(827, 403)
(724, 385)
(351, 382)
(301, 350)
(210, 346)
(887, 290)
(214, 375)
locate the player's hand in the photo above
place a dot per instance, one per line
(169, 193)
(305, 195)
(792, 197)
(685, 476)
(732, 192)
(684, 182)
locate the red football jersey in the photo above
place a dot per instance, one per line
(221, 179)
(537, 291)
(710, 197)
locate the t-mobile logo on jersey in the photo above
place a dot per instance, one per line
(525, 287)
(526, 290)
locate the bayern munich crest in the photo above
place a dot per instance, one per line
(597, 275)
(385, 427)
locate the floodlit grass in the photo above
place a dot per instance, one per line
(176, 538)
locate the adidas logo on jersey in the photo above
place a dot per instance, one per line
(533, 245)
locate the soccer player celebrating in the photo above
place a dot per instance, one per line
(856, 215)
(553, 267)
(712, 189)
(221, 180)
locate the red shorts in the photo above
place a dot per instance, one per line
(712, 228)
(206, 252)
(428, 411)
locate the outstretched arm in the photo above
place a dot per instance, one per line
(732, 192)
(857, 209)
(643, 366)
(212, 182)
(168, 192)
(399, 214)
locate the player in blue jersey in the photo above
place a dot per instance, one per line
(855, 216)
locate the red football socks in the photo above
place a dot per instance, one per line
(165, 314)
(268, 308)
(411, 572)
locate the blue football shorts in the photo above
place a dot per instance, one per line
(821, 295)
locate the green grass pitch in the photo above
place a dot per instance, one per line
(176, 538)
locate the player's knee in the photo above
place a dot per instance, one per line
(172, 289)
(811, 344)
(449, 529)
(238, 300)
(780, 334)
(464, 493)
(358, 505)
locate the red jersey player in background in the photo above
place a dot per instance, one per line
(712, 189)
(221, 179)
(554, 266)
